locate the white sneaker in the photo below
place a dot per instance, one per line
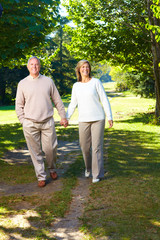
(94, 180)
(87, 174)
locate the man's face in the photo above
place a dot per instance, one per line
(33, 67)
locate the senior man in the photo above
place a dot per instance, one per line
(34, 109)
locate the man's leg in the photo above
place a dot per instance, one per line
(85, 143)
(49, 144)
(32, 135)
(97, 132)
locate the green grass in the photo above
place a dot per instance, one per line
(41, 211)
(125, 205)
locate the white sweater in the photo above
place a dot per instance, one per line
(90, 97)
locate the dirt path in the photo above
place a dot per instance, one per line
(63, 228)
(67, 228)
(22, 156)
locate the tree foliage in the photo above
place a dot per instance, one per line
(112, 30)
(115, 30)
(139, 83)
(23, 27)
(63, 64)
(153, 25)
(56, 62)
(9, 79)
(59, 64)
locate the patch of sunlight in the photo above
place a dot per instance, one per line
(19, 220)
(155, 223)
(7, 142)
(3, 210)
(122, 161)
(3, 235)
(17, 236)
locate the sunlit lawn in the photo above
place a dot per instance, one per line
(125, 205)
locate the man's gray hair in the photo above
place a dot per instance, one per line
(32, 58)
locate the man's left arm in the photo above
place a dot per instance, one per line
(59, 105)
(20, 102)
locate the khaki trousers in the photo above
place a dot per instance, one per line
(41, 137)
(91, 135)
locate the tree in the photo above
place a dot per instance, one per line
(138, 82)
(1, 10)
(101, 71)
(62, 65)
(111, 30)
(23, 27)
(154, 27)
(9, 80)
(114, 30)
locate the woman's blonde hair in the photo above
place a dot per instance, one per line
(77, 69)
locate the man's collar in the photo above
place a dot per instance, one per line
(35, 77)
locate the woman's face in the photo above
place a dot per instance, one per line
(84, 70)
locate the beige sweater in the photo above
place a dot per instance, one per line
(34, 99)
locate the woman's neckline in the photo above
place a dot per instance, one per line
(87, 81)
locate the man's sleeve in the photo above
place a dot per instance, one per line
(58, 101)
(20, 102)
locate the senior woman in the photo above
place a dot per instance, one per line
(93, 104)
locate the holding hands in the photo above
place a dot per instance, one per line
(64, 122)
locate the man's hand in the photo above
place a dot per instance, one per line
(110, 123)
(64, 122)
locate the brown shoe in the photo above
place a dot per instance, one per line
(53, 175)
(41, 183)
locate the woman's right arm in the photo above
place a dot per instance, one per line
(73, 104)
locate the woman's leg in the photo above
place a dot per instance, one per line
(97, 135)
(85, 143)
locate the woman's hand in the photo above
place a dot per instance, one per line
(110, 123)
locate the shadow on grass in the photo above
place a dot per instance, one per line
(145, 118)
(54, 205)
(67, 134)
(11, 137)
(113, 94)
(128, 154)
(134, 152)
(39, 223)
(126, 205)
(26, 233)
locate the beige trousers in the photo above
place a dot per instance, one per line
(91, 136)
(41, 137)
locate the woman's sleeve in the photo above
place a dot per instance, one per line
(73, 103)
(104, 100)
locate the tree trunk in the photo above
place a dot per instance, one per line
(156, 62)
(155, 46)
(2, 87)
